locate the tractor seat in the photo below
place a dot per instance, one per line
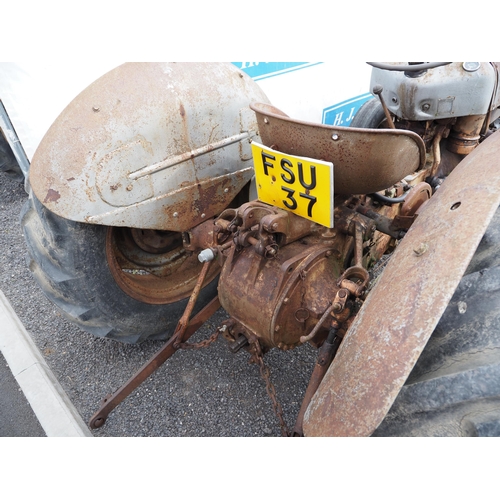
(364, 160)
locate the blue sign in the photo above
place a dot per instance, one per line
(261, 70)
(341, 114)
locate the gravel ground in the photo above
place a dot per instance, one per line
(209, 392)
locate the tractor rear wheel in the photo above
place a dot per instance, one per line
(454, 388)
(120, 283)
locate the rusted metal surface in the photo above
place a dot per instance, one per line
(415, 199)
(184, 330)
(282, 298)
(277, 285)
(401, 312)
(152, 266)
(326, 354)
(150, 145)
(465, 134)
(364, 160)
(281, 274)
(200, 237)
(184, 321)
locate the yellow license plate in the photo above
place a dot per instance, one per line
(301, 185)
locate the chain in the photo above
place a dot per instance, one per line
(257, 356)
(203, 343)
(266, 375)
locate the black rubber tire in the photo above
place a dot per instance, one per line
(454, 388)
(68, 260)
(370, 115)
(8, 162)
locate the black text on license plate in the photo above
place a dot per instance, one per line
(301, 185)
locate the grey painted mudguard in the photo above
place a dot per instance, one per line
(400, 314)
(150, 145)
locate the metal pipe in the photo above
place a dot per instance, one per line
(382, 223)
(436, 151)
(407, 67)
(304, 339)
(110, 402)
(184, 321)
(358, 244)
(377, 90)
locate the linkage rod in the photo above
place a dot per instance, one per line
(184, 330)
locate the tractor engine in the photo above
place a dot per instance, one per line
(295, 263)
(286, 280)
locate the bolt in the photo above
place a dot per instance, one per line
(394, 100)
(421, 249)
(335, 137)
(270, 251)
(176, 214)
(95, 109)
(226, 190)
(203, 216)
(130, 187)
(337, 307)
(426, 106)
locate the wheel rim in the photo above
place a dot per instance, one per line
(152, 266)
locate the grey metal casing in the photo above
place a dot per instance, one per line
(444, 92)
(150, 145)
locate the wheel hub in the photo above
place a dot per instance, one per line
(152, 266)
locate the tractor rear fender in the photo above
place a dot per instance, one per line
(399, 315)
(150, 145)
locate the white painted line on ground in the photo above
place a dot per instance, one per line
(51, 405)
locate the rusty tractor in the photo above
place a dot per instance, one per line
(165, 191)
